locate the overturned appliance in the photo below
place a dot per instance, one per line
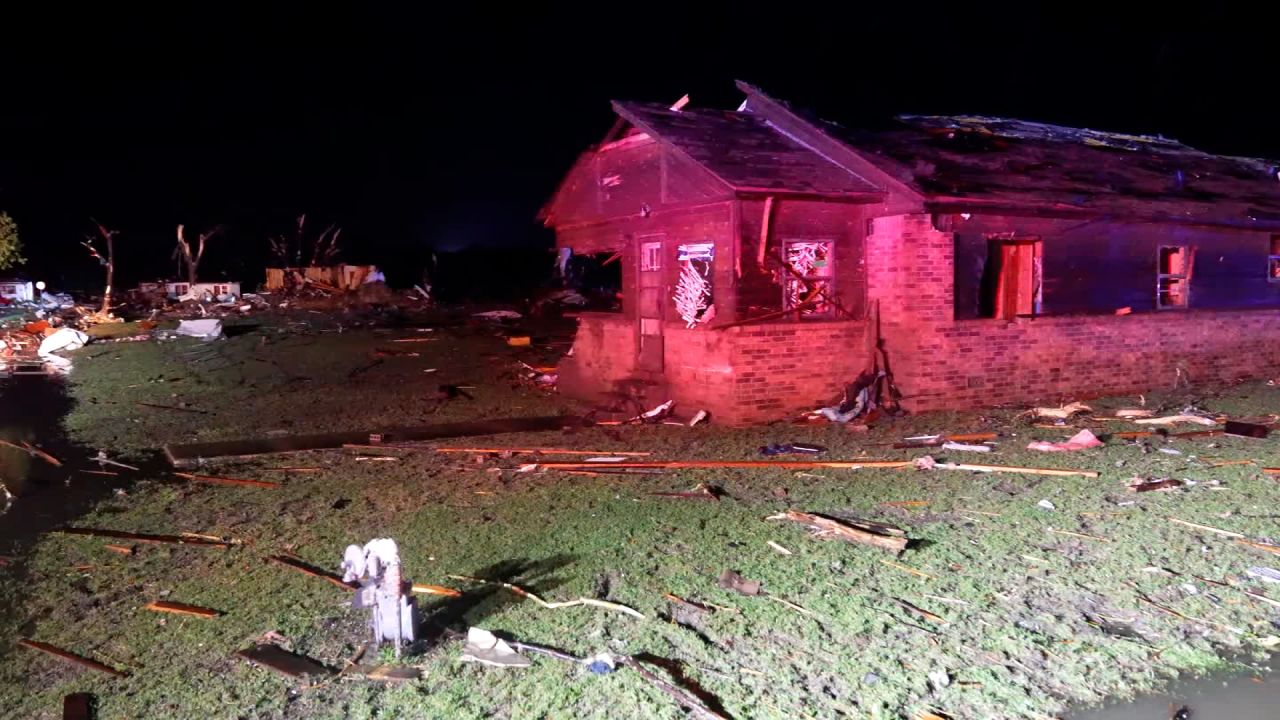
(376, 567)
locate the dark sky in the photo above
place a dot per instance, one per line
(415, 128)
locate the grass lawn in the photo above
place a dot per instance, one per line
(1026, 621)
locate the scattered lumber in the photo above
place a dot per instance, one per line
(33, 451)
(723, 464)
(178, 608)
(1207, 528)
(1150, 485)
(928, 463)
(540, 451)
(226, 481)
(313, 571)
(552, 605)
(1273, 549)
(875, 536)
(277, 659)
(191, 454)
(70, 657)
(1172, 419)
(435, 590)
(143, 537)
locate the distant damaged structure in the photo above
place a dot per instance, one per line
(770, 258)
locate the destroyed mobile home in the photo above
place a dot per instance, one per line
(770, 258)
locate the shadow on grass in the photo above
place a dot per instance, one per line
(450, 616)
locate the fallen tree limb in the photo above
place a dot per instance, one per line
(226, 481)
(552, 605)
(143, 537)
(829, 527)
(70, 657)
(178, 608)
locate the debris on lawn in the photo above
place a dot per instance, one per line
(927, 462)
(1138, 484)
(1046, 505)
(792, 449)
(313, 571)
(730, 580)
(145, 538)
(423, 589)
(1082, 440)
(1130, 413)
(102, 460)
(387, 673)
(227, 481)
(1237, 428)
(181, 609)
(70, 657)
(1265, 574)
(205, 329)
(376, 567)
(1173, 419)
(906, 569)
(553, 605)
(719, 464)
(33, 451)
(77, 706)
(779, 548)
(962, 447)
(884, 537)
(277, 659)
(538, 451)
(1059, 413)
(487, 649)
(498, 315)
(920, 612)
(702, 492)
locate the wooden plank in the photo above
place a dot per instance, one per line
(277, 659)
(143, 537)
(712, 464)
(542, 451)
(311, 570)
(227, 481)
(178, 608)
(830, 527)
(70, 657)
(190, 454)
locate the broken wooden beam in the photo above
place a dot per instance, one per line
(34, 451)
(720, 464)
(424, 589)
(882, 537)
(178, 608)
(70, 657)
(928, 463)
(542, 451)
(227, 481)
(311, 570)
(143, 537)
(191, 454)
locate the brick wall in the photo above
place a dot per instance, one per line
(941, 363)
(784, 368)
(604, 352)
(698, 370)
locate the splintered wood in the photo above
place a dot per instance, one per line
(553, 605)
(145, 538)
(70, 657)
(882, 537)
(226, 481)
(311, 570)
(178, 608)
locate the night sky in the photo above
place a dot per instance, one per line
(418, 128)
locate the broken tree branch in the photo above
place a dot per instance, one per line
(552, 605)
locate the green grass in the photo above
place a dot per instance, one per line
(1027, 641)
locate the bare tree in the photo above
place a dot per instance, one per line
(323, 249)
(192, 261)
(108, 261)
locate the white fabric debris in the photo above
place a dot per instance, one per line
(1046, 505)
(206, 329)
(486, 648)
(63, 340)
(965, 448)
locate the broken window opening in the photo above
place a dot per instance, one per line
(1273, 260)
(808, 289)
(693, 297)
(597, 281)
(650, 257)
(1012, 284)
(1173, 279)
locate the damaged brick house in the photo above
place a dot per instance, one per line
(765, 253)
